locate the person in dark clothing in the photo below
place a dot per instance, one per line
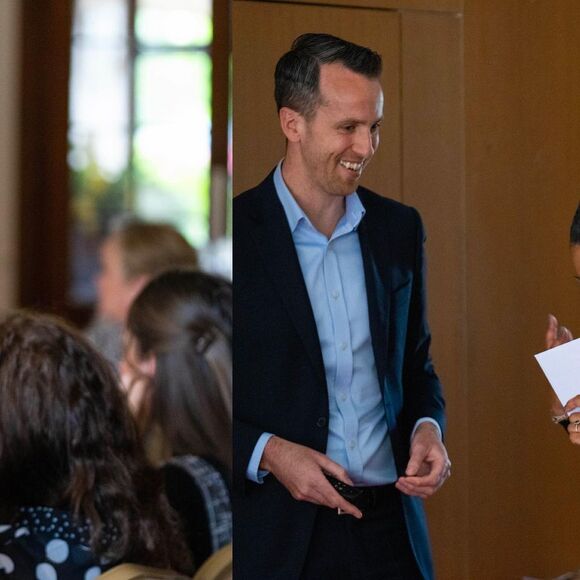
(76, 493)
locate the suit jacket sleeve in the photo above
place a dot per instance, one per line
(423, 391)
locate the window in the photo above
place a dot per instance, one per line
(140, 122)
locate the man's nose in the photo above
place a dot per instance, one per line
(364, 145)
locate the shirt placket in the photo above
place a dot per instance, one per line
(344, 356)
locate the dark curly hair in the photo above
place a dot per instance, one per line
(184, 319)
(67, 440)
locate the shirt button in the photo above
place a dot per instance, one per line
(335, 294)
(321, 422)
(343, 396)
(343, 346)
(351, 444)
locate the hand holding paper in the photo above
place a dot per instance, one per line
(561, 365)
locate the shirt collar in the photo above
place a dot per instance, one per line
(353, 214)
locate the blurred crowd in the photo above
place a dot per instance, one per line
(115, 441)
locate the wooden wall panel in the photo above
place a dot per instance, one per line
(488, 148)
(423, 5)
(258, 140)
(522, 152)
(434, 182)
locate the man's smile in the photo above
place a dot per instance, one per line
(352, 166)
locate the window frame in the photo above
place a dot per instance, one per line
(44, 178)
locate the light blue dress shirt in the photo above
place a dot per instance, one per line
(334, 276)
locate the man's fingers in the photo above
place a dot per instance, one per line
(334, 469)
(416, 460)
(349, 509)
(410, 490)
(335, 500)
(424, 486)
(327, 496)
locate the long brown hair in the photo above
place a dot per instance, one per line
(184, 319)
(67, 440)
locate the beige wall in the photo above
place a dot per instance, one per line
(9, 49)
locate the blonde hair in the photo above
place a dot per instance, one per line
(148, 248)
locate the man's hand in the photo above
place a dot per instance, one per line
(428, 466)
(556, 334)
(301, 471)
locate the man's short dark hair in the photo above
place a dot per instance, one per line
(575, 228)
(297, 73)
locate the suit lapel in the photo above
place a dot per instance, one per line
(276, 246)
(375, 248)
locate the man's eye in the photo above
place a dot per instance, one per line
(375, 127)
(348, 128)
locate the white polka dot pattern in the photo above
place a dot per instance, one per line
(54, 543)
(6, 564)
(21, 532)
(92, 573)
(57, 551)
(46, 572)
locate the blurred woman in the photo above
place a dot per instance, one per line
(75, 490)
(178, 371)
(130, 256)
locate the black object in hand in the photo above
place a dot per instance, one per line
(348, 492)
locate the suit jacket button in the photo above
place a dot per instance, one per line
(321, 422)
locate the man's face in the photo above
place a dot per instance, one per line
(340, 139)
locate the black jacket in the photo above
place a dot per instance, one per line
(279, 380)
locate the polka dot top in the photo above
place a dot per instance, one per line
(48, 544)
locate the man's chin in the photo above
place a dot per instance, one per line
(350, 183)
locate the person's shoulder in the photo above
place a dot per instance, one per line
(392, 209)
(249, 198)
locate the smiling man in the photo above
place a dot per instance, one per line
(338, 410)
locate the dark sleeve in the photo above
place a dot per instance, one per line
(423, 391)
(186, 499)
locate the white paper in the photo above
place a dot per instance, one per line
(561, 365)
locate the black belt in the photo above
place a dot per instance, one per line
(364, 498)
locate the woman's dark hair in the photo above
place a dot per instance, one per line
(184, 319)
(575, 228)
(67, 440)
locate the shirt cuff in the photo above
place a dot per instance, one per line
(253, 472)
(426, 420)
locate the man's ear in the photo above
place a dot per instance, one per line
(291, 123)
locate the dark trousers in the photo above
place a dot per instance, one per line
(373, 548)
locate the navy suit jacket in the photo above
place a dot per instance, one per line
(279, 379)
